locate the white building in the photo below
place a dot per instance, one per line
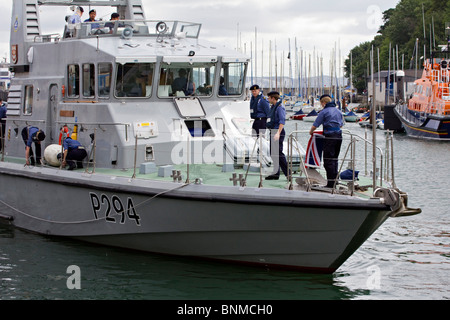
(401, 84)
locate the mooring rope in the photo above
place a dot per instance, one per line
(103, 218)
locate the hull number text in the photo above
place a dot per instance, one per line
(113, 209)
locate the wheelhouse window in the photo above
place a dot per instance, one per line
(73, 81)
(104, 79)
(134, 80)
(88, 80)
(28, 104)
(185, 79)
(232, 78)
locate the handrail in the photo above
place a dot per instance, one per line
(371, 143)
(290, 162)
(25, 120)
(92, 153)
(47, 38)
(149, 28)
(353, 139)
(2, 142)
(99, 124)
(258, 139)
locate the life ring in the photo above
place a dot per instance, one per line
(64, 130)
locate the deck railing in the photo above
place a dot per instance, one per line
(350, 158)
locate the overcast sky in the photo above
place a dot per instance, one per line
(319, 25)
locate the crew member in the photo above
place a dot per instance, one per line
(73, 154)
(92, 15)
(30, 135)
(76, 17)
(183, 84)
(114, 17)
(332, 120)
(259, 109)
(276, 124)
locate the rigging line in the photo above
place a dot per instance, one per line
(103, 218)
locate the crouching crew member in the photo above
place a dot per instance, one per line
(30, 135)
(74, 154)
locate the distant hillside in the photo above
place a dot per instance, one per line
(402, 26)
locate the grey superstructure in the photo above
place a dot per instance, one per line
(116, 83)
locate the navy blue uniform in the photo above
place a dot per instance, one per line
(29, 136)
(259, 111)
(93, 25)
(75, 153)
(331, 119)
(277, 116)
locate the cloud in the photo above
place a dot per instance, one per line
(319, 25)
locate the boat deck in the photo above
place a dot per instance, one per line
(217, 175)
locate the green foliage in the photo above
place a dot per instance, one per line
(402, 26)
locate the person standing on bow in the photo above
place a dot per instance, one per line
(30, 135)
(73, 154)
(277, 120)
(259, 109)
(332, 120)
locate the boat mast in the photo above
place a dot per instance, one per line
(447, 33)
(374, 124)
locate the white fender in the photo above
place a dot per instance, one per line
(51, 155)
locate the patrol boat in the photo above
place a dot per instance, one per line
(169, 170)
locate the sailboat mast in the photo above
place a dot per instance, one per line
(374, 124)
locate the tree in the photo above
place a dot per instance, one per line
(401, 27)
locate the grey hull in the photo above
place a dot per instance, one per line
(291, 229)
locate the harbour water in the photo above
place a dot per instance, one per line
(406, 258)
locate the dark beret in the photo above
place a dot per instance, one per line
(325, 96)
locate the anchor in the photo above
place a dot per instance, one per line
(398, 201)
